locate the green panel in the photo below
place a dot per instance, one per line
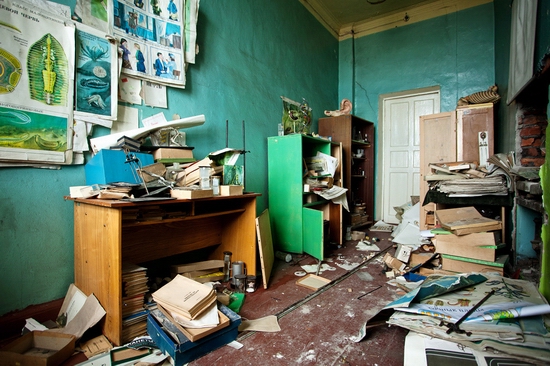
(313, 232)
(285, 191)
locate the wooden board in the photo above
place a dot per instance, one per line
(464, 220)
(265, 244)
(313, 282)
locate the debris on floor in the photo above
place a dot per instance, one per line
(474, 310)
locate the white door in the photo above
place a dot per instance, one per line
(400, 151)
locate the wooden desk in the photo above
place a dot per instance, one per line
(107, 233)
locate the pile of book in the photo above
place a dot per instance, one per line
(463, 178)
(471, 241)
(134, 314)
(191, 306)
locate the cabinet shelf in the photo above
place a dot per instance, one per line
(360, 143)
(345, 129)
(136, 223)
(316, 203)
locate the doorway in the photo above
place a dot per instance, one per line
(399, 147)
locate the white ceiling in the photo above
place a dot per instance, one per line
(344, 18)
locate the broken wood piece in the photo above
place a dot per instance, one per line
(313, 282)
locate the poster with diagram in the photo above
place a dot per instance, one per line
(96, 75)
(36, 86)
(151, 39)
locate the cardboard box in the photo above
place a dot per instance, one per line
(357, 235)
(465, 220)
(186, 351)
(38, 348)
(155, 169)
(201, 271)
(358, 219)
(477, 245)
(183, 193)
(231, 190)
(393, 262)
(171, 154)
(109, 166)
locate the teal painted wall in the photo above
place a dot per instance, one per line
(454, 52)
(251, 53)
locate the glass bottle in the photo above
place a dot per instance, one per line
(226, 265)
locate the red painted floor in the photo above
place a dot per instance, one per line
(316, 326)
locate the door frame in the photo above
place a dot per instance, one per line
(379, 199)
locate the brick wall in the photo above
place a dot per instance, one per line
(531, 123)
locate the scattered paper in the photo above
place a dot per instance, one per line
(312, 268)
(235, 345)
(268, 323)
(156, 120)
(348, 266)
(382, 226)
(129, 90)
(154, 95)
(127, 119)
(32, 324)
(366, 246)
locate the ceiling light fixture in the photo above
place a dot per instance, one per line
(375, 2)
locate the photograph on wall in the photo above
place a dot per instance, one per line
(96, 75)
(36, 102)
(150, 36)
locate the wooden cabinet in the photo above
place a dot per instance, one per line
(452, 136)
(356, 135)
(300, 221)
(108, 233)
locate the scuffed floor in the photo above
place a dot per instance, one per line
(316, 326)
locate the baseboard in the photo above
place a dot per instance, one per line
(12, 323)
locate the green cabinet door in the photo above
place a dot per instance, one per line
(296, 226)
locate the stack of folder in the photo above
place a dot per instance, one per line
(191, 306)
(134, 314)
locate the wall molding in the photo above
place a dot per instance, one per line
(415, 14)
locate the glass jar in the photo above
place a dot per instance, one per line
(226, 265)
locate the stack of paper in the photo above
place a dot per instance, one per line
(185, 297)
(191, 306)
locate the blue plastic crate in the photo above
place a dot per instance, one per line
(188, 351)
(109, 166)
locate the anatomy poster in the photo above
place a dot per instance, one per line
(36, 85)
(96, 74)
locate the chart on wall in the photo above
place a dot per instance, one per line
(96, 84)
(36, 84)
(151, 37)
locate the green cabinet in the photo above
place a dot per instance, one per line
(300, 221)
